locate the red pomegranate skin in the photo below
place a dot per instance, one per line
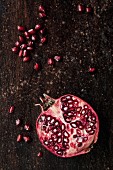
(67, 126)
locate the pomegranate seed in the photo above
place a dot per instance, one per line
(31, 31)
(37, 27)
(11, 109)
(26, 59)
(20, 53)
(23, 46)
(29, 48)
(18, 122)
(92, 70)
(50, 61)
(88, 9)
(43, 40)
(30, 43)
(36, 66)
(15, 49)
(80, 8)
(27, 139)
(27, 127)
(19, 138)
(57, 58)
(27, 34)
(33, 37)
(21, 28)
(40, 154)
(25, 53)
(21, 39)
(42, 31)
(41, 9)
(42, 15)
(17, 44)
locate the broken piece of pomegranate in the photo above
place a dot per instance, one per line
(67, 126)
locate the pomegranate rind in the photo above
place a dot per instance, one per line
(55, 111)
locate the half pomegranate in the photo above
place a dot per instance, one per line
(67, 126)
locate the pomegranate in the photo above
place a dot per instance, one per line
(67, 126)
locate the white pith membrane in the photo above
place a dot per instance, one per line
(69, 127)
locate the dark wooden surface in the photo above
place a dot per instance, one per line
(83, 40)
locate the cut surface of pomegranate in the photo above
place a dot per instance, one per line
(67, 126)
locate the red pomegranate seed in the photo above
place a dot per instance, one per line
(15, 49)
(41, 9)
(36, 66)
(37, 27)
(31, 31)
(42, 31)
(11, 109)
(27, 34)
(27, 127)
(57, 58)
(92, 70)
(23, 46)
(33, 37)
(30, 48)
(17, 44)
(80, 8)
(27, 139)
(40, 154)
(21, 28)
(26, 59)
(50, 61)
(21, 39)
(42, 15)
(20, 53)
(88, 9)
(30, 43)
(25, 53)
(43, 40)
(19, 138)
(18, 122)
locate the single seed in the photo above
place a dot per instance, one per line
(17, 44)
(80, 8)
(50, 61)
(21, 39)
(27, 139)
(27, 127)
(88, 9)
(21, 28)
(15, 49)
(42, 15)
(37, 27)
(26, 59)
(20, 53)
(27, 34)
(31, 31)
(30, 48)
(42, 31)
(33, 37)
(25, 53)
(57, 58)
(19, 138)
(36, 66)
(11, 109)
(23, 46)
(18, 122)
(41, 9)
(92, 70)
(40, 154)
(43, 40)
(30, 43)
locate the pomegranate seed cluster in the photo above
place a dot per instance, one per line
(82, 8)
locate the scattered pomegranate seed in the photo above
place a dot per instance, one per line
(18, 122)
(19, 138)
(26, 59)
(11, 109)
(25, 53)
(27, 127)
(41, 9)
(42, 31)
(17, 44)
(92, 70)
(88, 9)
(43, 40)
(23, 46)
(33, 37)
(27, 34)
(27, 139)
(15, 49)
(40, 154)
(57, 58)
(29, 48)
(21, 39)
(80, 8)
(31, 31)
(36, 66)
(37, 27)
(20, 53)
(42, 15)
(50, 61)
(21, 28)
